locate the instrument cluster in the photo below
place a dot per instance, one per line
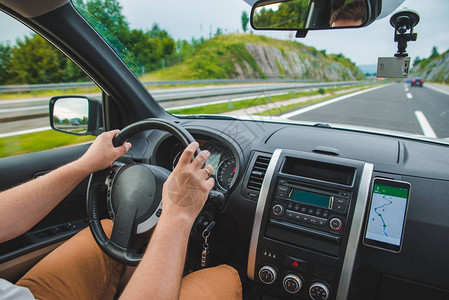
(222, 159)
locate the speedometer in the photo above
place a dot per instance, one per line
(225, 173)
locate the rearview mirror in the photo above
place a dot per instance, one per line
(76, 115)
(312, 14)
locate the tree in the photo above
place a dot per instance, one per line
(5, 60)
(107, 18)
(108, 13)
(245, 20)
(416, 61)
(34, 60)
(434, 52)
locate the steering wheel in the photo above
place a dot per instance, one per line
(133, 193)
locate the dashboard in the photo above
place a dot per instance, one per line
(294, 222)
(289, 248)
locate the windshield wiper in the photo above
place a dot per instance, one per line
(217, 117)
(325, 125)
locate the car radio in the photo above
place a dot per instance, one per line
(307, 225)
(311, 206)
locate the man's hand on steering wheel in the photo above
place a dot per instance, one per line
(187, 188)
(101, 154)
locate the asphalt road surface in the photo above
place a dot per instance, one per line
(397, 107)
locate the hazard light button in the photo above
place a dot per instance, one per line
(295, 263)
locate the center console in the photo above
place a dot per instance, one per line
(308, 224)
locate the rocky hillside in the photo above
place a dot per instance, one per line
(242, 56)
(434, 69)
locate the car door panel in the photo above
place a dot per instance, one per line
(66, 219)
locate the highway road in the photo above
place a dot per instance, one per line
(397, 107)
(23, 115)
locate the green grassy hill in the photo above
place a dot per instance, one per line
(435, 69)
(241, 56)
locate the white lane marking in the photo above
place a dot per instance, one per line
(24, 131)
(23, 108)
(425, 125)
(321, 104)
(409, 95)
(438, 89)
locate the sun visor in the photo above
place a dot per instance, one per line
(33, 8)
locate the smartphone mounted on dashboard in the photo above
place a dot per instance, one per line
(387, 214)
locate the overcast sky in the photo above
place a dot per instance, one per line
(71, 108)
(184, 19)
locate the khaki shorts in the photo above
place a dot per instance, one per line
(78, 269)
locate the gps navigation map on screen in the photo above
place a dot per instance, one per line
(386, 216)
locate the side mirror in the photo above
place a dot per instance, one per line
(306, 15)
(76, 115)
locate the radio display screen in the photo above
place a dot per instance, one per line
(310, 198)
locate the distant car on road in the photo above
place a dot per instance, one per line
(417, 82)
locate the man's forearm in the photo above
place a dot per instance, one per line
(159, 274)
(25, 205)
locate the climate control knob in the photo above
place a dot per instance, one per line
(335, 224)
(267, 274)
(278, 210)
(292, 283)
(319, 291)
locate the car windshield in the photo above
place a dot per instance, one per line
(204, 58)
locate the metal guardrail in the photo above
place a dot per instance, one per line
(43, 87)
(76, 85)
(255, 89)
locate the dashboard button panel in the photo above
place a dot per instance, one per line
(296, 263)
(267, 274)
(319, 291)
(335, 224)
(292, 283)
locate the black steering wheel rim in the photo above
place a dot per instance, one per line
(122, 254)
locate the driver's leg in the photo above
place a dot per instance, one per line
(217, 283)
(78, 269)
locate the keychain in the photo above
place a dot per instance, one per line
(205, 251)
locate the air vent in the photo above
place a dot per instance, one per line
(258, 173)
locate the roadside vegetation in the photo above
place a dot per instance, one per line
(50, 93)
(49, 139)
(238, 56)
